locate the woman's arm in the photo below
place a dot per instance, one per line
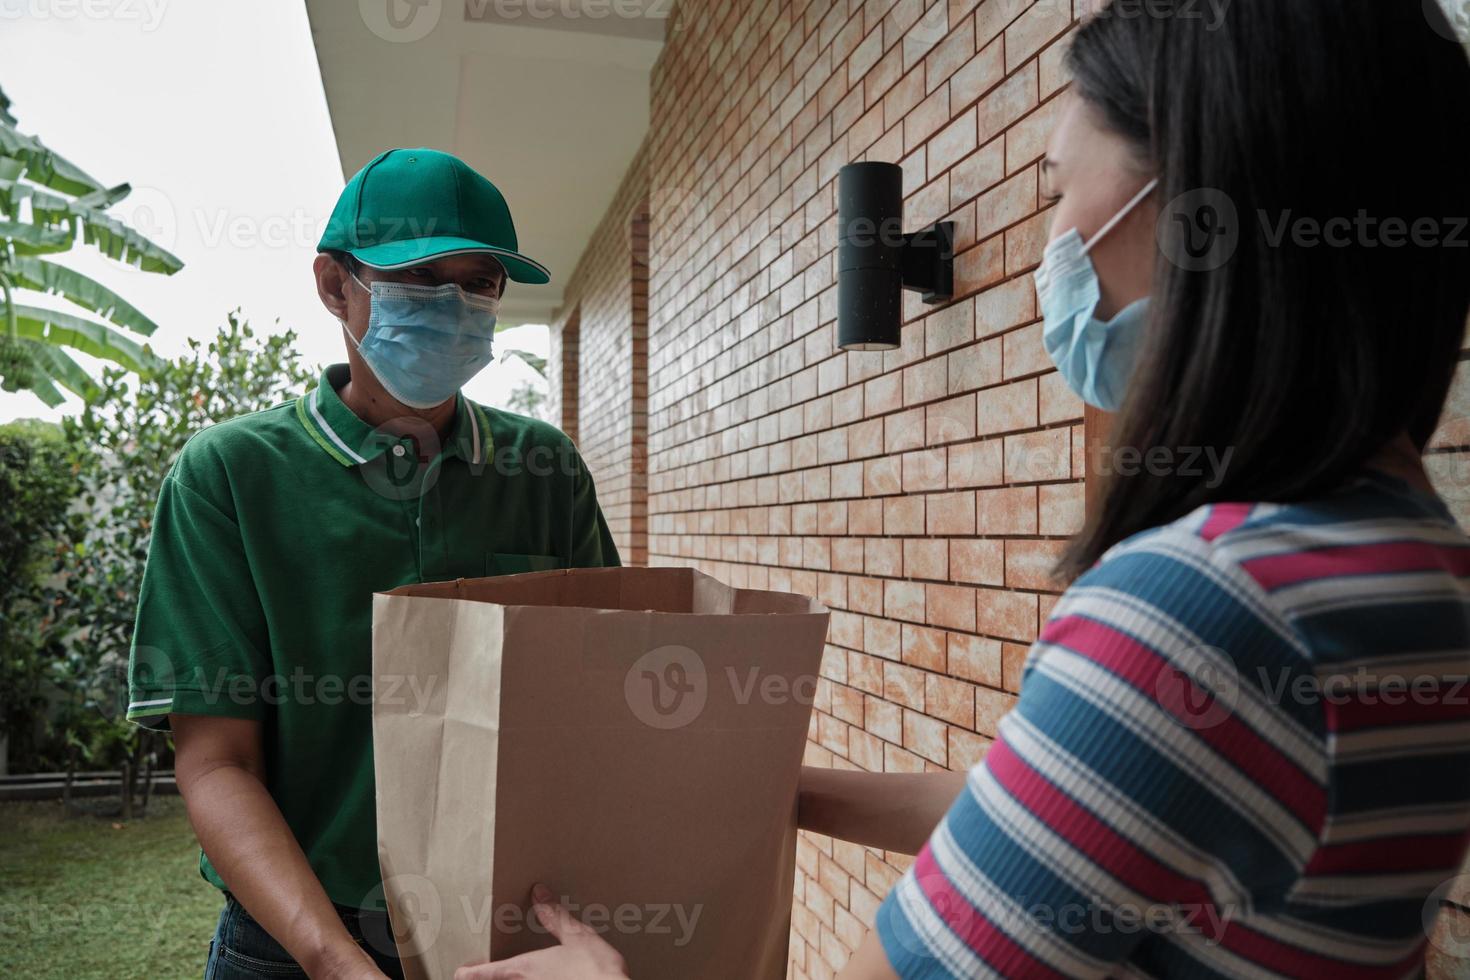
(896, 811)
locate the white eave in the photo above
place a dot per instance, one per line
(547, 98)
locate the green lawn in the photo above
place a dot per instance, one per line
(83, 896)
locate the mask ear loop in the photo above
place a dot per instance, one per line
(1118, 218)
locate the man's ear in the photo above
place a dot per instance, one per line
(331, 284)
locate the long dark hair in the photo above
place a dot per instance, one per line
(1301, 360)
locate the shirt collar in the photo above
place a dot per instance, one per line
(351, 441)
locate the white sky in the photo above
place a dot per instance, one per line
(213, 111)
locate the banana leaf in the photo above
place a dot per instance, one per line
(87, 336)
(115, 239)
(5, 116)
(29, 239)
(44, 166)
(56, 363)
(38, 274)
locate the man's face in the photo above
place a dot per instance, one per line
(477, 273)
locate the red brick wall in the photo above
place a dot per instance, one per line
(923, 493)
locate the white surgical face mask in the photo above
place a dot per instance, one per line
(424, 342)
(1094, 357)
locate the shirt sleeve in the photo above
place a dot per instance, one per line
(199, 641)
(592, 540)
(1142, 786)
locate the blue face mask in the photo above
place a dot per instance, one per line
(424, 342)
(1095, 358)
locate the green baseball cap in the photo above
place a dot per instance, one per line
(412, 206)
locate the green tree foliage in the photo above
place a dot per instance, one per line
(46, 205)
(37, 485)
(120, 448)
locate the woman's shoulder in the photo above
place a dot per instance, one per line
(1373, 524)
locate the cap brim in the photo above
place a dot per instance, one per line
(413, 251)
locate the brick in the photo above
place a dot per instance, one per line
(975, 366)
(949, 421)
(926, 119)
(1006, 408)
(903, 686)
(966, 749)
(1026, 140)
(924, 470)
(865, 56)
(1042, 23)
(977, 173)
(1058, 403)
(1024, 353)
(1008, 615)
(1036, 456)
(990, 708)
(924, 382)
(950, 606)
(903, 515)
(978, 75)
(950, 54)
(1013, 665)
(881, 636)
(949, 327)
(1029, 564)
(864, 673)
(883, 718)
(952, 143)
(951, 513)
(1011, 202)
(925, 736)
(926, 558)
(1061, 509)
(883, 556)
(1052, 66)
(950, 700)
(979, 561)
(975, 658)
(904, 431)
(977, 464)
(1004, 307)
(924, 647)
(1009, 102)
(1026, 244)
(1010, 510)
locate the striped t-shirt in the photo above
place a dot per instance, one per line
(1242, 748)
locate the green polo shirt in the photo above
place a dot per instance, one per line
(272, 533)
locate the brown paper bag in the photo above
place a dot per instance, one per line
(631, 737)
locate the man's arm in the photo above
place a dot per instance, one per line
(895, 811)
(219, 768)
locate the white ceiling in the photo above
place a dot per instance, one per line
(547, 98)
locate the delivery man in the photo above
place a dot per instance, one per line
(273, 531)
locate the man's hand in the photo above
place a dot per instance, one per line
(582, 955)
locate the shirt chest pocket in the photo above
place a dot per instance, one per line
(506, 563)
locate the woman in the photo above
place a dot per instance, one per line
(1240, 745)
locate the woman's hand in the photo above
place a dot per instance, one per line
(582, 955)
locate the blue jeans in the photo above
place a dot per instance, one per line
(242, 950)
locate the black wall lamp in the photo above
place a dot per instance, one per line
(876, 261)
